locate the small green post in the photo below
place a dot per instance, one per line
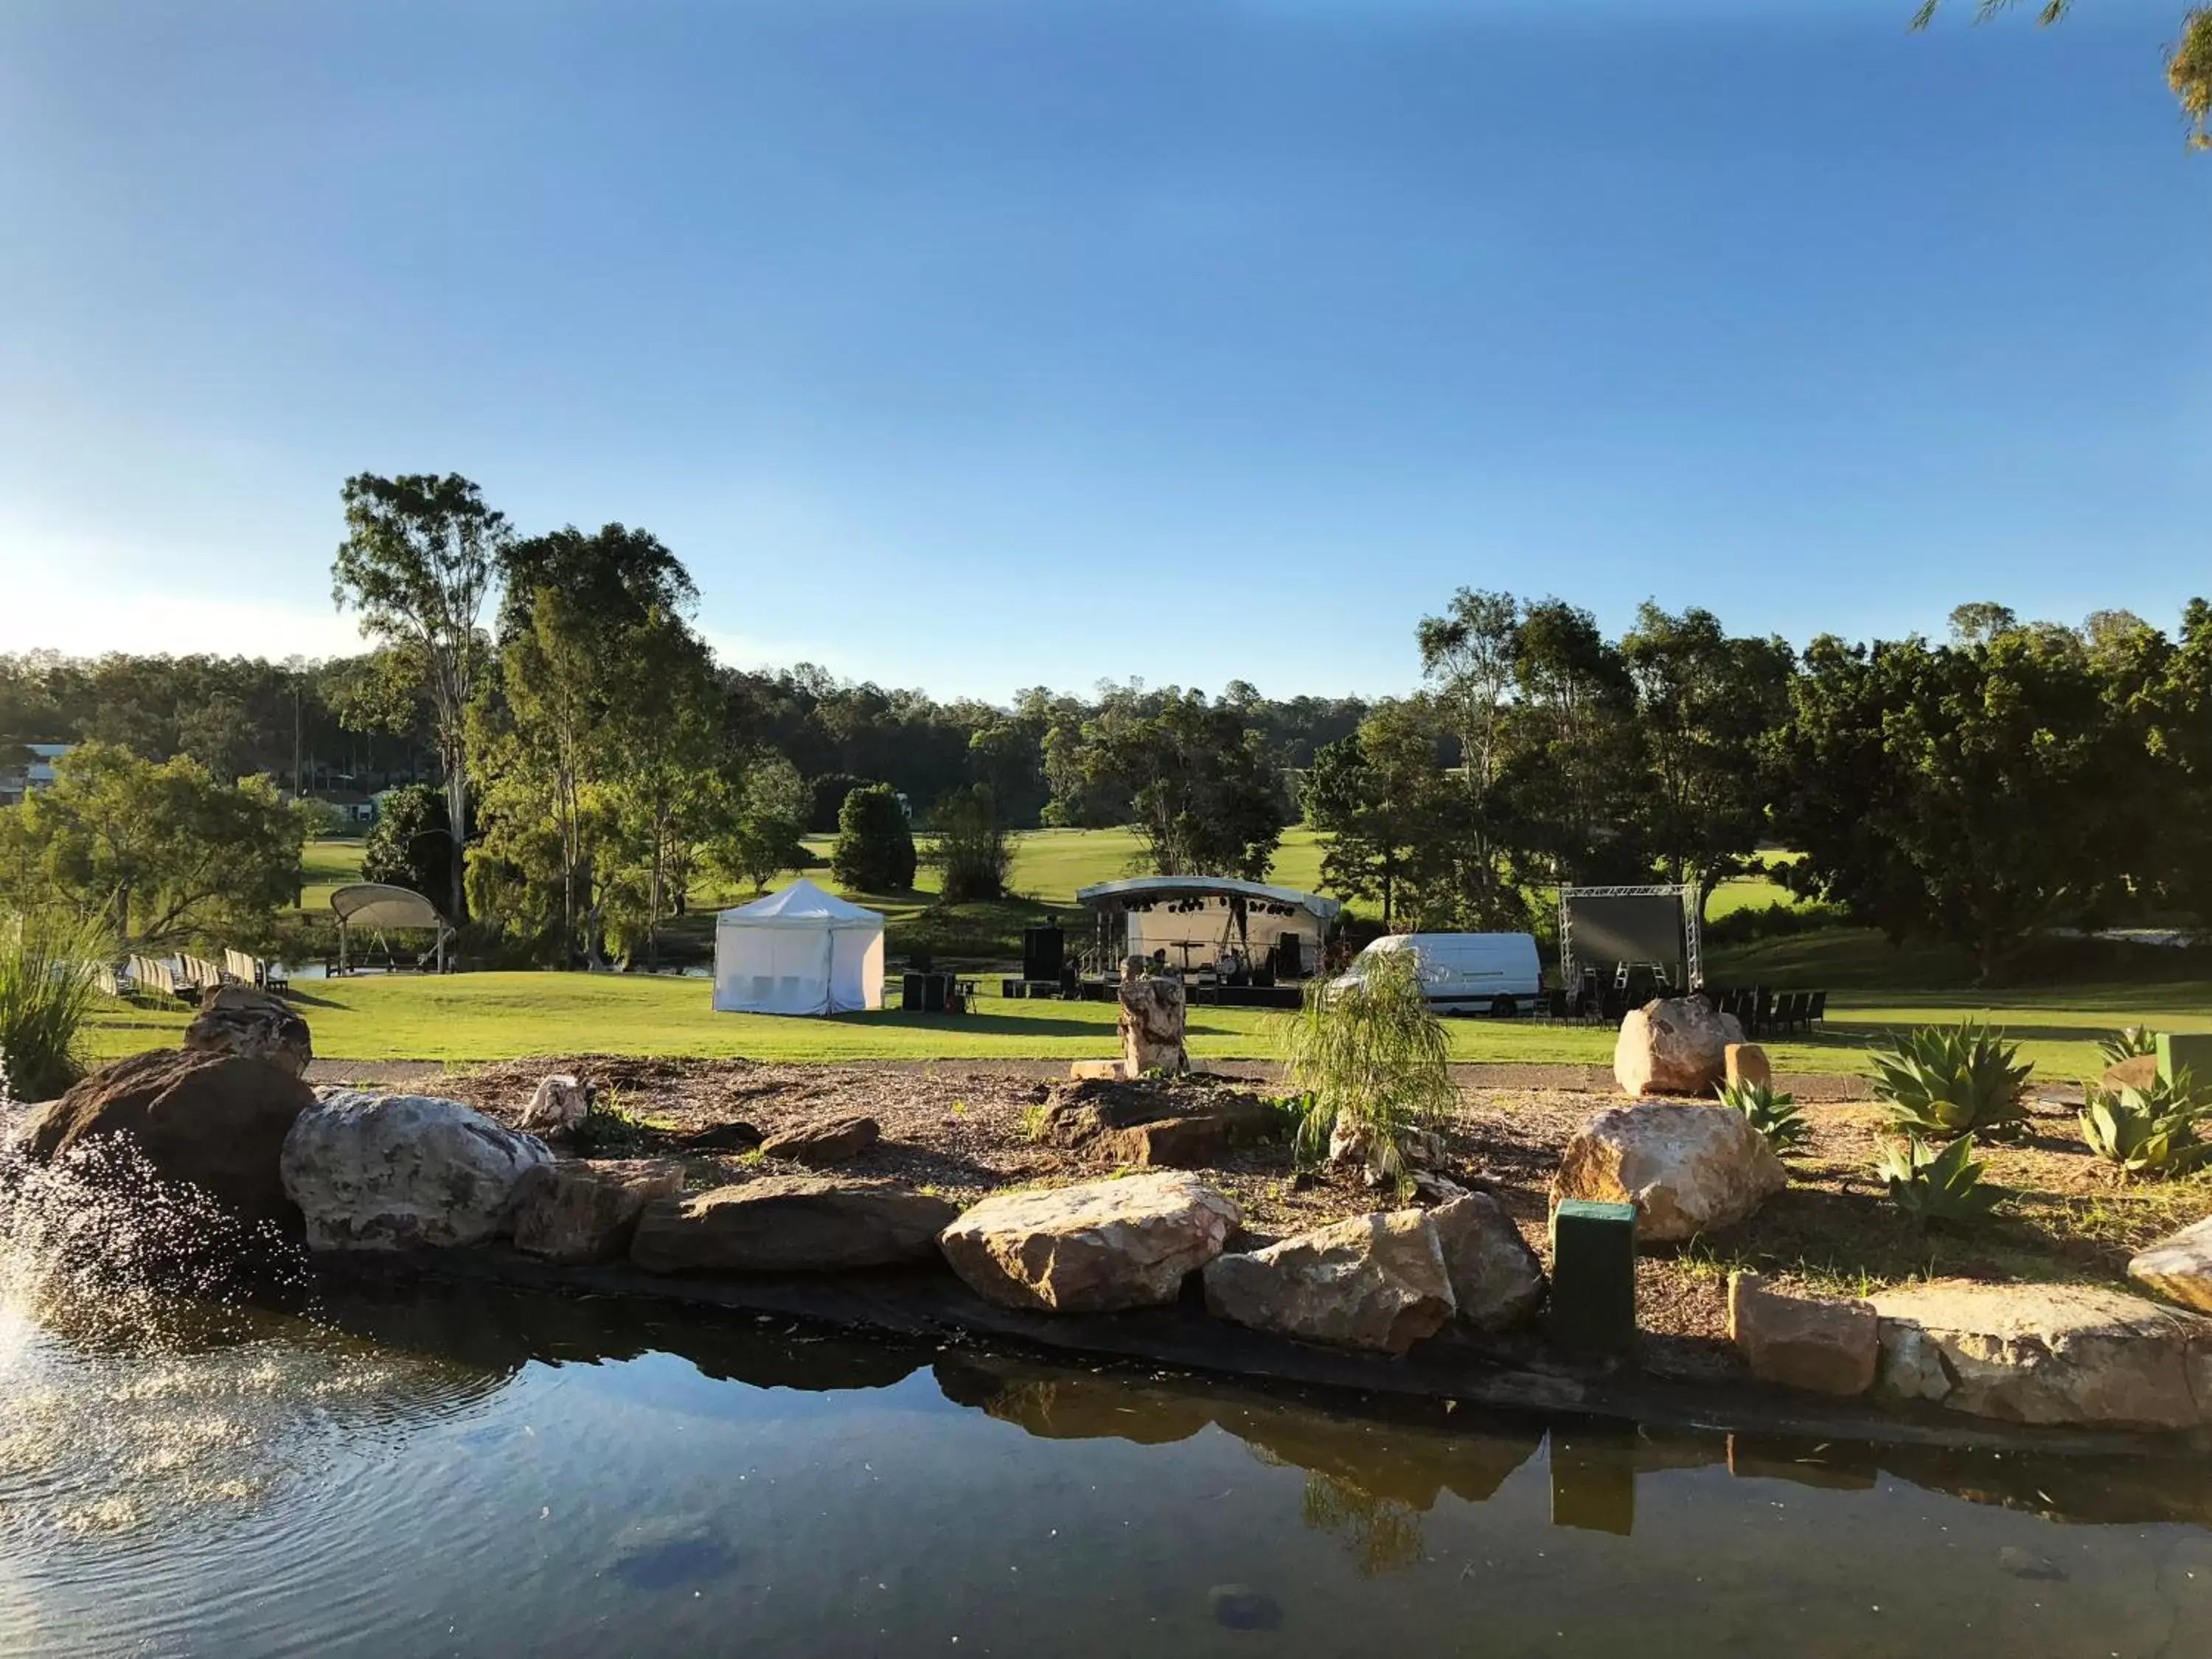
(1594, 1275)
(2184, 1051)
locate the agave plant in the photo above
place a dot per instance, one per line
(2128, 1042)
(1774, 1116)
(1935, 1185)
(1941, 1081)
(2150, 1131)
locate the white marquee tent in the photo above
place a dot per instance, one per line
(800, 952)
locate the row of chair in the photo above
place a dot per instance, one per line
(190, 976)
(1762, 1012)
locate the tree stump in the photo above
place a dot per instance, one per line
(1151, 1020)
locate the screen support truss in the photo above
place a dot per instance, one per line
(1694, 963)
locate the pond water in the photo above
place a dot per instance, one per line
(451, 1471)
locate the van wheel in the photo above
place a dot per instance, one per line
(1503, 1007)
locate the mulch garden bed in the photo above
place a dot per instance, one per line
(965, 1130)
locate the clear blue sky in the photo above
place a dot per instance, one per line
(943, 337)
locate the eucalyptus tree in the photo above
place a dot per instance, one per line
(420, 559)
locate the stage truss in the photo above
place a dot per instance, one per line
(1693, 963)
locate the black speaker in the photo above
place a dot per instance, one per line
(935, 990)
(911, 993)
(1043, 948)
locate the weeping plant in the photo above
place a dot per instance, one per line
(48, 962)
(1372, 1055)
(2150, 1131)
(1939, 1081)
(1774, 1114)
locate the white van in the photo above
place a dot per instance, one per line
(1468, 973)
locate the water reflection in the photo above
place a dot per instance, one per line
(395, 1472)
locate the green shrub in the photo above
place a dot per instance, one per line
(1935, 1185)
(1372, 1053)
(970, 846)
(1941, 1081)
(1286, 1118)
(609, 1129)
(411, 844)
(47, 963)
(874, 852)
(1774, 1116)
(2147, 1131)
(1035, 1122)
(2127, 1043)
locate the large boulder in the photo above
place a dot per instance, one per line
(389, 1172)
(215, 1120)
(1495, 1280)
(1673, 1046)
(2076, 1354)
(833, 1141)
(237, 1019)
(1097, 1247)
(1377, 1282)
(1152, 1021)
(1688, 1169)
(1144, 1123)
(792, 1223)
(2179, 1266)
(1828, 1347)
(574, 1211)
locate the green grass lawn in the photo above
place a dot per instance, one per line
(494, 1015)
(1874, 988)
(328, 865)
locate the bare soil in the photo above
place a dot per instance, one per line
(965, 1130)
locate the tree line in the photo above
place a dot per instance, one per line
(2015, 778)
(571, 755)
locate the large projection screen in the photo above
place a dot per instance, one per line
(1640, 927)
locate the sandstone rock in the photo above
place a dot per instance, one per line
(1688, 1169)
(388, 1172)
(1377, 1282)
(2136, 1072)
(792, 1223)
(216, 1121)
(2179, 1266)
(561, 1103)
(572, 1212)
(1152, 1021)
(736, 1135)
(831, 1141)
(1096, 1248)
(1745, 1063)
(2046, 1353)
(237, 1019)
(1828, 1347)
(1182, 1143)
(1495, 1278)
(1673, 1046)
(1136, 1121)
(1094, 1071)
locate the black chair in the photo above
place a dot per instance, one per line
(1816, 1013)
(1762, 1012)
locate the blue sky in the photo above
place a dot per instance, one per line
(939, 336)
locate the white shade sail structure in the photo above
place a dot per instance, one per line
(798, 952)
(380, 907)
